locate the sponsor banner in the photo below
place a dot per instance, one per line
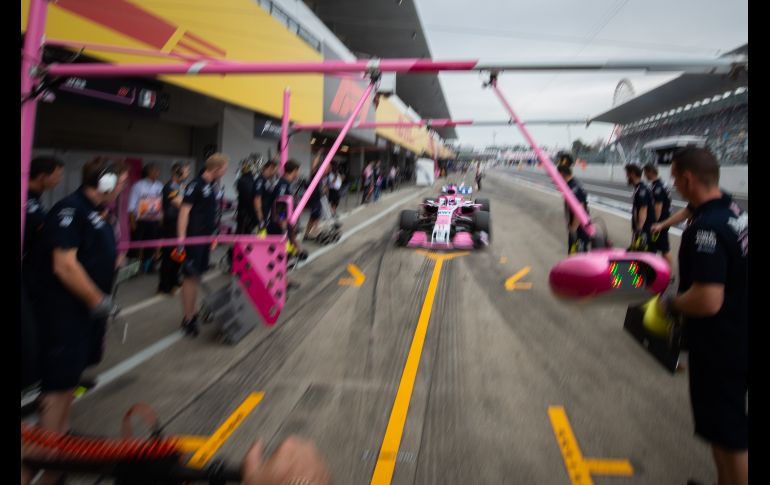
(201, 30)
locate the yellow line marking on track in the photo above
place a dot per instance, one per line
(191, 444)
(513, 284)
(580, 469)
(386, 460)
(609, 467)
(206, 452)
(357, 279)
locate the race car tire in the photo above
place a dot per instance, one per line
(484, 204)
(477, 242)
(481, 222)
(403, 238)
(408, 220)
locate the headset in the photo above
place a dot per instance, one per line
(107, 178)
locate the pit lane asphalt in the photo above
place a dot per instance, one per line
(492, 363)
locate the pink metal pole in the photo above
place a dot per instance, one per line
(335, 125)
(330, 155)
(285, 129)
(232, 67)
(711, 66)
(30, 58)
(199, 240)
(572, 201)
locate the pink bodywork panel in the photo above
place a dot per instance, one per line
(587, 275)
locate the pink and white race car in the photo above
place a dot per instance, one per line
(449, 221)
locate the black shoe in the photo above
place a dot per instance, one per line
(191, 327)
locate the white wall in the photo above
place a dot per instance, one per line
(75, 159)
(734, 179)
(238, 142)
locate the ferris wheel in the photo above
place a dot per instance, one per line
(624, 91)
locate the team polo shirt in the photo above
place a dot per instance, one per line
(202, 196)
(715, 249)
(146, 200)
(33, 223)
(662, 194)
(76, 223)
(642, 198)
(581, 196)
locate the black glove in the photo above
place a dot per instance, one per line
(106, 308)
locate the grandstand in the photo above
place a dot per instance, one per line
(723, 122)
(713, 106)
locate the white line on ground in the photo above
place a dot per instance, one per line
(606, 190)
(110, 375)
(166, 342)
(596, 202)
(158, 298)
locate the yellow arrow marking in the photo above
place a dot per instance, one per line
(441, 256)
(580, 469)
(513, 284)
(357, 279)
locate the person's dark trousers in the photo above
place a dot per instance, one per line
(169, 269)
(245, 223)
(147, 231)
(30, 368)
(579, 243)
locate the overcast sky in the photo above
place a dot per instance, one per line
(563, 29)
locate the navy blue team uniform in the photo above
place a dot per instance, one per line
(246, 217)
(642, 198)
(169, 269)
(314, 202)
(30, 260)
(662, 194)
(282, 187)
(203, 196)
(714, 249)
(580, 242)
(262, 190)
(70, 339)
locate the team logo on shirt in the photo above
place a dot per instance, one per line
(706, 241)
(96, 219)
(32, 206)
(740, 223)
(206, 190)
(66, 216)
